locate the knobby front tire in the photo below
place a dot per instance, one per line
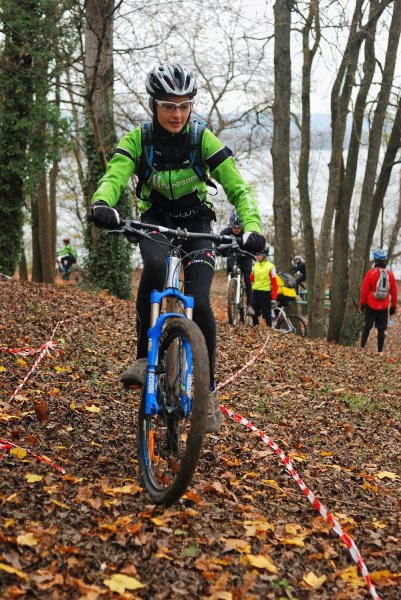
(169, 444)
(232, 306)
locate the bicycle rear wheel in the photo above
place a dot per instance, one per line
(232, 306)
(298, 325)
(170, 442)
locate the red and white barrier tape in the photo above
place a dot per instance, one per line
(348, 541)
(7, 445)
(46, 349)
(245, 366)
(21, 351)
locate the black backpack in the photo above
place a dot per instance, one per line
(196, 129)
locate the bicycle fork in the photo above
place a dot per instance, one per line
(157, 322)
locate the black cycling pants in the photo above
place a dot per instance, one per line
(379, 318)
(262, 305)
(67, 260)
(198, 270)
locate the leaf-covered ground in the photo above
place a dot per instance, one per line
(245, 530)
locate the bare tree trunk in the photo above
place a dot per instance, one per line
(304, 157)
(281, 135)
(98, 70)
(37, 274)
(340, 101)
(340, 98)
(341, 253)
(53, 206)
(361, 248)
(45, 234)
(393, 146)
(52, 184)
(108, 262)
(23, 267)
(397, 225)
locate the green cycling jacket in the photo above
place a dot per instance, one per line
(174, 184)
(68, 249)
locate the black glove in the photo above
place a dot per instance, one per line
(392, 310)
(104, 215)
(253, 242)
(362, 307)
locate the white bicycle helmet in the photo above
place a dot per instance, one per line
(171, 78)
(297, 259)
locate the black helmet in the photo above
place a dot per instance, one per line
(171, 78)
(265, 251)
(235, 221)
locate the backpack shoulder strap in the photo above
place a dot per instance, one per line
(146, 158)
(196, 130)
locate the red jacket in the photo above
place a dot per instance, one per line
(369, 286)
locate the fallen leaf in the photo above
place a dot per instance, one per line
(350, 575)
(31, 478)
(92, 408)
(57, 503)
(312, 581)
(385, 578)
(190, 551)
(261, 562)
(19, 452)
(387, 475)
(119, 582)
(17, 572)
(236, 544)
(27, 539)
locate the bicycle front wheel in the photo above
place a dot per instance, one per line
(295, 325)
(232, 306)
(170, 442)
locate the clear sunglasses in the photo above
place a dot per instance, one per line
(171, 106)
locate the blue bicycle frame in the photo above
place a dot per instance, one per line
(157, 321)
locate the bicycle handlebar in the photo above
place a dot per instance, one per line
(136, 230)
(234, 249)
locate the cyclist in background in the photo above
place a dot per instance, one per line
(244, 262)
(375, 305)
(174, 195)
(264, 287)
(66, 256)
(299, 271)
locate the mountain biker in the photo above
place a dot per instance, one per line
(374, 309)
(299, 271)
(264, 287)
(244, 262)
(173, 195)
(67, 256)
